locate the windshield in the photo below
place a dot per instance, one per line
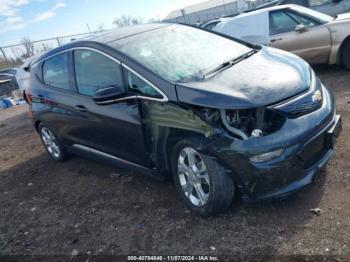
(180, 53)
(323, 18)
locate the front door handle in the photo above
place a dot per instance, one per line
(81, 108)
(276, 39)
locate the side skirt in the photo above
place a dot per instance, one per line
(94, 154)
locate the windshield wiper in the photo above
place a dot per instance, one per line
(229, 63)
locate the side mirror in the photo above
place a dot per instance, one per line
(108, 94)
(300, 28)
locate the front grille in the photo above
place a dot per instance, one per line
(314, 151)
(304, 104)
(301, 107)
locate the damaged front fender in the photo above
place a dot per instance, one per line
(163, 121)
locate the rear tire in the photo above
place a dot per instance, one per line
(200, 180)
(346, 55)
(51, 143)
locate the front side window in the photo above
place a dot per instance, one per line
(138, 86)
(316, 16)
(281, 22)
(94, 71)
(180, 53)
(303, 20)
(55, 71)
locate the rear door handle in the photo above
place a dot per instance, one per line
(40, 98)
(81, 108)
(276, 39)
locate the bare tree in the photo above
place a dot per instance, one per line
(44, 47)
(127, 20)
(100, 28)
(2, 63)
(29, 47)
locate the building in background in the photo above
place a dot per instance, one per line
(209, 10)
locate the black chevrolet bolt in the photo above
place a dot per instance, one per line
(222, 116)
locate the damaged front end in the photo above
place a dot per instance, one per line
(270, 151)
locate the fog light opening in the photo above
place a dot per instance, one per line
(267, 156)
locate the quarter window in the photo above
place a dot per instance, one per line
(55, 71)
(139, 86)
(94, 71)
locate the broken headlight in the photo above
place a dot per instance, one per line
(251, 122)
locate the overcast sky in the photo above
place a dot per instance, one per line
(39, 19)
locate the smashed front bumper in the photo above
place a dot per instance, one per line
(308, 143)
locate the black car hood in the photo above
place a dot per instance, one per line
(265, 78)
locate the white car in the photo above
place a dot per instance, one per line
(22, 76)
(316, 37)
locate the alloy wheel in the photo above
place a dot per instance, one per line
(193, 176)
(50, 142)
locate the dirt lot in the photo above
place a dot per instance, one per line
(87, 207)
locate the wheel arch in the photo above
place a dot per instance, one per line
(37, 125)
(341, 49)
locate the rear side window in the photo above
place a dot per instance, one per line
(94, 71)
(55, 71)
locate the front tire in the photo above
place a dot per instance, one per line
(346, 55)
(200, 180)
(52, 145)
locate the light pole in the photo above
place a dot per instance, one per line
(183, 12)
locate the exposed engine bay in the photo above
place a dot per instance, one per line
(247, 123)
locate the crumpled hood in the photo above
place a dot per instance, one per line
(342, 16)
(265, 78)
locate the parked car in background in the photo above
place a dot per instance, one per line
(211, 24)
(316, 37)
(8, 81)
(330, 7)
(219, 115)
(22, 74)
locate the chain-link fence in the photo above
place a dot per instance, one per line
(12, 56)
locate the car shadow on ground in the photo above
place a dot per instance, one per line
(84, 205)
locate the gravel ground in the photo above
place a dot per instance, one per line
(85, 207)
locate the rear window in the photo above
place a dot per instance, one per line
(180, 53)
(55, 71)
